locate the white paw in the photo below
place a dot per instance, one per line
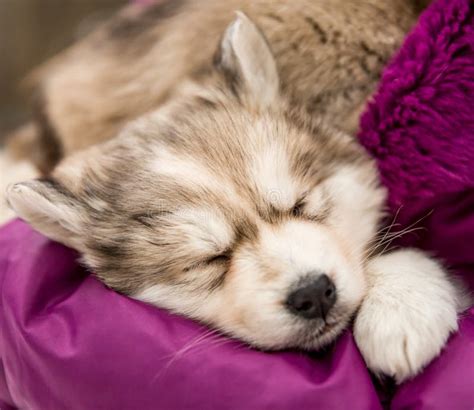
(11, 171)
(407, 315)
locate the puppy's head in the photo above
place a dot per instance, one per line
(226, 205)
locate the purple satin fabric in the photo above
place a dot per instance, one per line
(68, 342)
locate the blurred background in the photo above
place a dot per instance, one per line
(31, 31)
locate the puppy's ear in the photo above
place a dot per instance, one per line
(49, 207)
(247, 62)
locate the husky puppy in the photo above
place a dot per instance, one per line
(235, 192)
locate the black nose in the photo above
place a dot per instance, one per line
(313, 300)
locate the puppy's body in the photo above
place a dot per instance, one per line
(329, 56)
(238, 199)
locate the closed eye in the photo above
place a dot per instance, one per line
(221, 258)
(298, 211)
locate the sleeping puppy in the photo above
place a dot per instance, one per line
(235, 192)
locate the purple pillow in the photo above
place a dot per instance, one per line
(68, 342)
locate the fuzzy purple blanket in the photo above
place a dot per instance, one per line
(67, 342)
(420, 128)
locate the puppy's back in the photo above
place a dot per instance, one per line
(329, 55)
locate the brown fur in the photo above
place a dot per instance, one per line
(329, 55)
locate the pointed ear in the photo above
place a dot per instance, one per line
(49, 207)
(247, 61)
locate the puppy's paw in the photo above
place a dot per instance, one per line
(408, 314)
(11, 171)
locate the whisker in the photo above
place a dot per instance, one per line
(390, 237)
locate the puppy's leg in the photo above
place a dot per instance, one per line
(14, 166)
(407, 315)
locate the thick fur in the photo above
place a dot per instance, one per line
(241, 183)
(329, 57)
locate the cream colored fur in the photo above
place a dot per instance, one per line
(12, 171)
(408, 314)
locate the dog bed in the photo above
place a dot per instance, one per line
(68, 342)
